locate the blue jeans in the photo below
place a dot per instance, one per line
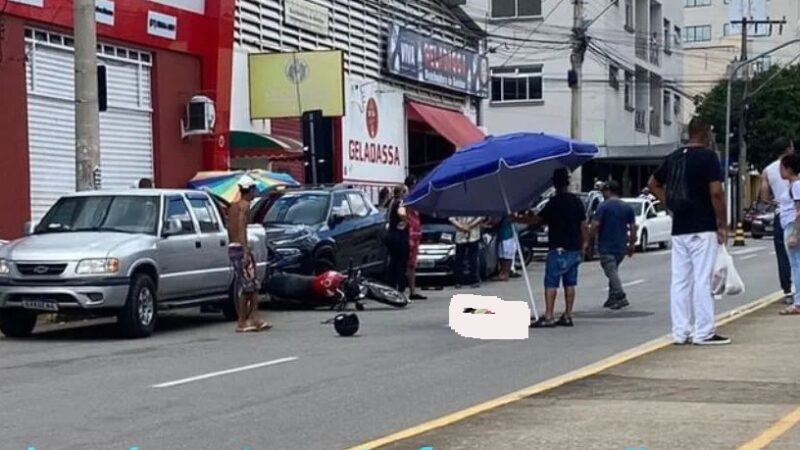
(794, 260)
(561, 267)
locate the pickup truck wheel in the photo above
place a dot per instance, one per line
(137, 319)
(17, 323)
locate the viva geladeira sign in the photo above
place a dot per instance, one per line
(373, 134)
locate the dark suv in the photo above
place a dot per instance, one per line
(314, 229)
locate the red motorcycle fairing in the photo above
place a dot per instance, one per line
(327, 284)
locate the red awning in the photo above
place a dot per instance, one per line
(454, 126)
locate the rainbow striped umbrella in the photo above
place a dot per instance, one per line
(223, 184)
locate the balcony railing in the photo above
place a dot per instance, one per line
(640, 118)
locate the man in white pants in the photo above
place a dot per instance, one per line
(689, 182)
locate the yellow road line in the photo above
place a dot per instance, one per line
(774, 432)
(575, 375)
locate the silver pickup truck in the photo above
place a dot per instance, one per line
(127, 254)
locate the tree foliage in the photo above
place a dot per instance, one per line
(771, 113)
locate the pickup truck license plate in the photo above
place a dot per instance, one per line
(40, 305)
(425, 263)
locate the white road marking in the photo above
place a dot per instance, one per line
(631, 283)
(745, 251)
(745, 258)
(225, 372)
(772, 253)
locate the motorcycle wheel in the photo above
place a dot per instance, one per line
(385, 294)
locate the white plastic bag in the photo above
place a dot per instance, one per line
(725, 279)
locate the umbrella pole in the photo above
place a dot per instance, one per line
(519, 252)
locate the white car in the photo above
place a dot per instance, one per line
(654, 225)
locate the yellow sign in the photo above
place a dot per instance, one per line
(287, 84)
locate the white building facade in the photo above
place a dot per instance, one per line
(634, 61)
(712, 42)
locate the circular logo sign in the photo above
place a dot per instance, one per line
(297, 71)
(372, 118)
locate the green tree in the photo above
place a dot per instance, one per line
(771, 113)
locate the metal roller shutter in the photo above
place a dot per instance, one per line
(126, 136)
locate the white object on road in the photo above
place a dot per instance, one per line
(225, 372)
(725, 278)
(507, 320)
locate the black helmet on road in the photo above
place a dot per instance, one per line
(346, 324)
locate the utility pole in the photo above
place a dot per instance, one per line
(87, 114)
(579, 44)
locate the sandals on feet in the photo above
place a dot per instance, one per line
(261, 326)
(246, 329)
(791, 311)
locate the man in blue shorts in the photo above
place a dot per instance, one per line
(565, 216)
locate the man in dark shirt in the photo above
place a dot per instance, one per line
(565, 216)
(615, 225)
(699, 226)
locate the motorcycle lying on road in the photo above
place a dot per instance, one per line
(330, 289)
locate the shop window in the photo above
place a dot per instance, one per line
(516, 84)
(516, 8)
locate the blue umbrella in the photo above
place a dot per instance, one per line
(498, 176)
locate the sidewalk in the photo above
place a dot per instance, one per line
(684, 397)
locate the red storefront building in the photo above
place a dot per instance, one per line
(158, 54)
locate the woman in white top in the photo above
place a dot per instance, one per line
(789, 204)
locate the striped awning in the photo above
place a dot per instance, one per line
(248, 140)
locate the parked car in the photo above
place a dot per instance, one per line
(763, 224)
(756, 211)
(437, 250)
(654, 225)
(536, 239)
(315, 229)
(127, 254)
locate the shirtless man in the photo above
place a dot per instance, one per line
(245, 283)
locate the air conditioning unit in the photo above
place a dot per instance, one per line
(199, 118)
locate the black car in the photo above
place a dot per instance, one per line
(313, 230)
(437, 250)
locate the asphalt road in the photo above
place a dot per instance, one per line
(83, 389)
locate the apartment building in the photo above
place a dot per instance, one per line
(712, 42)
(634, 62)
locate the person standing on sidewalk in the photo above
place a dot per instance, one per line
(565, 217)
(689, 183)
(614, 225)
(468, 236)
(789, 210)
(773, 188)
(414, 240)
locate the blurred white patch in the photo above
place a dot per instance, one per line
(510, 319)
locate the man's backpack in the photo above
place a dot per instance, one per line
(677, 185)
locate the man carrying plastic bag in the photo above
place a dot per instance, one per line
(726, 279)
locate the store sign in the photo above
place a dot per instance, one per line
(288, 84)
(104, 12)
(308, 16)
(162, 25)
(196, 6)
(426, 60)
(39, 3)
(374, 134)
